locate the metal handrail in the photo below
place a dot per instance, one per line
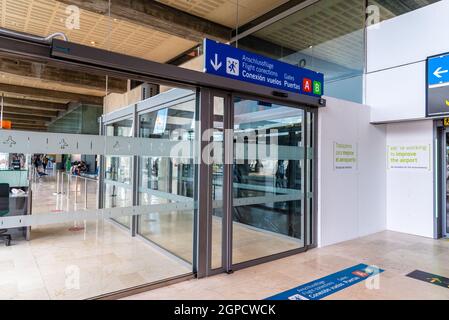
(74, 175)
(69, 176)
(25, 36)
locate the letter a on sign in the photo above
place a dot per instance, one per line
(307, 85)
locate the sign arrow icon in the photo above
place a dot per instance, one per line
(215, 64)
(438, 72)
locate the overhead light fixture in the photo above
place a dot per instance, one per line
(93, 43)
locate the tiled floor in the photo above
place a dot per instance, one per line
(106, 259)
(396, 253)
(104, 255)
(103, 258)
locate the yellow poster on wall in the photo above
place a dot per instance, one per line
(345, 156)
(413, 156)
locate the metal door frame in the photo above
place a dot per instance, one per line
(440, 187)
(440, 180)
(122, 115)
(207, 124)
(227, 221)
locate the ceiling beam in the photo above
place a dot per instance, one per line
(22, 121)
(34, 104)
(49, 95)
(288, 7)
(12, 116)
(78, 79)
(28, 125)
(157, 16)
(14, 126)
(27, 128)
(30, 112)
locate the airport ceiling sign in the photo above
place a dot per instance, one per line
(438, 70)
(437, 85)
(230, 62)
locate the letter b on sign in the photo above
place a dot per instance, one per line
(317, 88)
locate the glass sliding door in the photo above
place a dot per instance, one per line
(118, 173)
(169, 178)
(262, 179)
(268, 179)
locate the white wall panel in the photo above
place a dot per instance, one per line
(350, 203)
(409, 38)
(410, 192)
(397, 94)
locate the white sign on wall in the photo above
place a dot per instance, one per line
(411, 156)
(345, 156)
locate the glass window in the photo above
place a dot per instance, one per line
(83, 119)
(268, 183)
(327, 37)
(169, 178)
(118, 173)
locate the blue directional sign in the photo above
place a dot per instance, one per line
(227, 61)
(438, 70)
(323, 287)
(438, 86)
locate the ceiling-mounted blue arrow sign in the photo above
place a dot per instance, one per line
(438, 70)
(215, 63)
(437, 86)
(227, 61)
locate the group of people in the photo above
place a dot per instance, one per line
(40, 162)
(78, 167)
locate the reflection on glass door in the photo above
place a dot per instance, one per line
(446, 218)
(169, 179)
(268, 179)
(218, 169)
(118, 173)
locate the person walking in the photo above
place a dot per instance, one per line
(44, 162)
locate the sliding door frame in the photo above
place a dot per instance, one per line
(228, 145)
(101, 62)
(304, 187)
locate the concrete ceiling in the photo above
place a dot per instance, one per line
(315, 31)
(331, 32)
(126, 33)
(43, 17)
(225, 11)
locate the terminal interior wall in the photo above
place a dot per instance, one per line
(351, 202)
(410, 192)
(397, 50)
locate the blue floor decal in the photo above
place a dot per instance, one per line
(330, 284)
